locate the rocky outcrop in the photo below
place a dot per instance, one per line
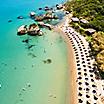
(40, 8)
(20, 17)
(46, 8)
(39, 18)
(33, 30)
(48, 15)
(45, 17)
(32, 14)
(22, 30)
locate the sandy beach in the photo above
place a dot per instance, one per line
(72, 86)
(82, 79)
(85, 88)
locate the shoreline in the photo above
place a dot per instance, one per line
(72, 91)
(81, 67)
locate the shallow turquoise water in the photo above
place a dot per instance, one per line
(25, 78)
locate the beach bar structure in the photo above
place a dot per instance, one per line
(75, 19)
(90, 31)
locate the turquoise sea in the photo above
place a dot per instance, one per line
(36, 75)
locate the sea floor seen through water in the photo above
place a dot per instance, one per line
(33, 71)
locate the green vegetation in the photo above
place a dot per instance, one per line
(89, 9)
(97, 46)
(89, 38)
(93, 11)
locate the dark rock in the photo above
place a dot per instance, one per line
(45, 17)
(30, 46)
(20, 17)
(51, 8)
(49, 61)
(40, 8)
(46, 8)
(33, 29)
(32, 14)
(57, 5)
(28, 84)
(31, 54)
(23, 89)
(26, 41)
(9, 20)
(45, 61)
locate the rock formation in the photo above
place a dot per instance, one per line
(33, 29)
(22, 30)
(32, 14)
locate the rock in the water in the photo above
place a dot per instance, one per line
(23, 89)
(46, 16)
(44, 61)
(9, 20)
(22, 30)
(31, 54)
(28, 84)
(32, 14)
(46, 8)
(40, 8)
(49, 61)
(29, 47)
(33, 30)
(26, 41)
(20, 17)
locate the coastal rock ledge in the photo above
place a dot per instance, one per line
(32, 30)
